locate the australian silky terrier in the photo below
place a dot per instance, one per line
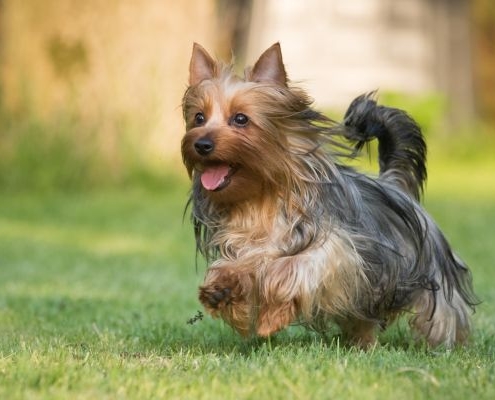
(293, 235)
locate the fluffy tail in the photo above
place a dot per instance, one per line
(401, 147)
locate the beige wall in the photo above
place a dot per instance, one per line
(341, 48)
(119, 64)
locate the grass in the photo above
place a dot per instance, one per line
(96, 289)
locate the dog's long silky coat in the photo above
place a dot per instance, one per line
(293, 235)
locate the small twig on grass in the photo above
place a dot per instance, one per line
(198, 317)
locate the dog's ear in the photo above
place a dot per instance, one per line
(270, 67)
(201, 67)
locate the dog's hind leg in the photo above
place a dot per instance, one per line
(441, 322)
(357, 332)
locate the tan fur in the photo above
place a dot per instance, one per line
(324, 278)
(253, 286)
(227, 293)
(439, 322)
(273, 262)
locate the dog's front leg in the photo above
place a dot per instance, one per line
(275, 316)
(227, 292)
(281, 291)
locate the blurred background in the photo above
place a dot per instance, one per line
(90, 91)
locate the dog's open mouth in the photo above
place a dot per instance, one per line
(217, 177)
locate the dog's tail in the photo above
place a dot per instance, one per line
(401, 147)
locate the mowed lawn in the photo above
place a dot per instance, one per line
(98, 294)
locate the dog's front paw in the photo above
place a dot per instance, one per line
(215, 297)
(227, 293)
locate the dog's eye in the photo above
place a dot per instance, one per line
(240, 119)
(199, 119)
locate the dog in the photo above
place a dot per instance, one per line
(293, 235)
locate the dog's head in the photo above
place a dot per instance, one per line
(236, 146)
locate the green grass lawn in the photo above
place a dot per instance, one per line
(96, 290)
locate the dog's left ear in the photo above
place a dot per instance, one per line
(202, 66)
(270, 67)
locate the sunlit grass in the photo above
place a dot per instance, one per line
(96, 291)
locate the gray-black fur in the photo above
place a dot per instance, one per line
(401, 147)
(401, 244)
(404, 252)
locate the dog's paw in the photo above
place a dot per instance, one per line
(215, 297)
(227, 293)
(224, 287)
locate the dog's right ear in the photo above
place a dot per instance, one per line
(201, 67)
(270, 67)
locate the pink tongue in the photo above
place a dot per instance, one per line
(213, 177)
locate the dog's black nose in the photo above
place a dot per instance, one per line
(204, 146)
